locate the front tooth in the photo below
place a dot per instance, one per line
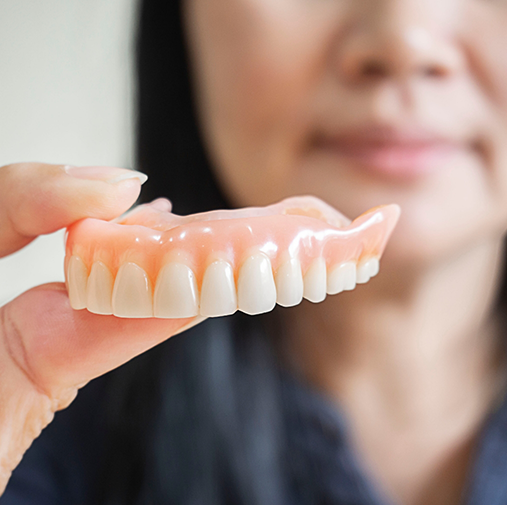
(77, 276)
(132, 292)
(218, 291)
(342, 278)
(175, 292)
(315, 281)
(367, 269)
(256, 285)
(289, 283)
(99, 289)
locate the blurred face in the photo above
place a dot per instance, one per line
(361, 102)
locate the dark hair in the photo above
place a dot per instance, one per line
(169, 145)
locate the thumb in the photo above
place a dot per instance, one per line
(59, 348)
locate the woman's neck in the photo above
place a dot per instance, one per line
(414, 360)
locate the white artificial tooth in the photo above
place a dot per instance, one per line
(367, 269)
(176, 292)
(374, 266)
(218, 291)
(132, 292)
(289, 283)
(99, 289)
(342, 278)
(315, 281)
(256, 285)
(77, 276)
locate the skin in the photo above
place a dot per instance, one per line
(414, 358)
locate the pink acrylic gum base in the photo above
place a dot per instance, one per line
(151, 238)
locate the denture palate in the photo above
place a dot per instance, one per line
(152, 263)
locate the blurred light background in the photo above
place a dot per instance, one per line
(66, 92)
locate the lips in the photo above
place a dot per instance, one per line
(400, 153)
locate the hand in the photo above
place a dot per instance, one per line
(48, 350)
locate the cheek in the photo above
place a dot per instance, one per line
(255, 63)
(485, 40)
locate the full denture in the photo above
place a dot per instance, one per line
(152, 263)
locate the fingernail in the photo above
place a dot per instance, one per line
(112, 175)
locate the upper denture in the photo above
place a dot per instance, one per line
(167, 254)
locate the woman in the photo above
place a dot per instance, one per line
(392, 393)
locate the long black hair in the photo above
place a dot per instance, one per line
(169, 145)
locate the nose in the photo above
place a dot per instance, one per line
(399, 39)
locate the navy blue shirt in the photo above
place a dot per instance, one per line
(63, 464)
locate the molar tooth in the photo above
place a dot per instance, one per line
(342, 278)
(132, 292)
(367, 269)
(218, 291)
(77, 275)
(289, 283)
(315, 281)
(99, 289)
(176, 292)
(256, 285)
